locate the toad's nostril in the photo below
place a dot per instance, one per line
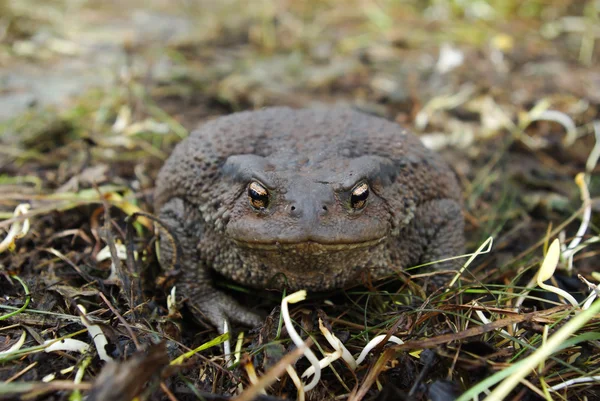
(324, 207)
(296, 211)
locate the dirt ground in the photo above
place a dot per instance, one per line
(94, 96)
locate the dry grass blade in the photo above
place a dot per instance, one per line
(37, 389)
(476, 331)
(374, 371)
(270, 376)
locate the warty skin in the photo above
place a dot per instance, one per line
(312, 199)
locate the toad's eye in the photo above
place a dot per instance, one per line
(258, 195)
(359, 196)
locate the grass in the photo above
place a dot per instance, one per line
(517, 139)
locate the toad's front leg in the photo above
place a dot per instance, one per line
(434, 234)
(195, 282)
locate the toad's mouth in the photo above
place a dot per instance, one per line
(307, 246)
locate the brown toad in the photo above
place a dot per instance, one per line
(308, 199)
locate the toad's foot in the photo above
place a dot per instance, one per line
(219, 308)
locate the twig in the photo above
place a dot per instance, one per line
(122, 320)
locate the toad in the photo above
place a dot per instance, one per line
(307, 199)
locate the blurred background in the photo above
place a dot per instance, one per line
(388, 54)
